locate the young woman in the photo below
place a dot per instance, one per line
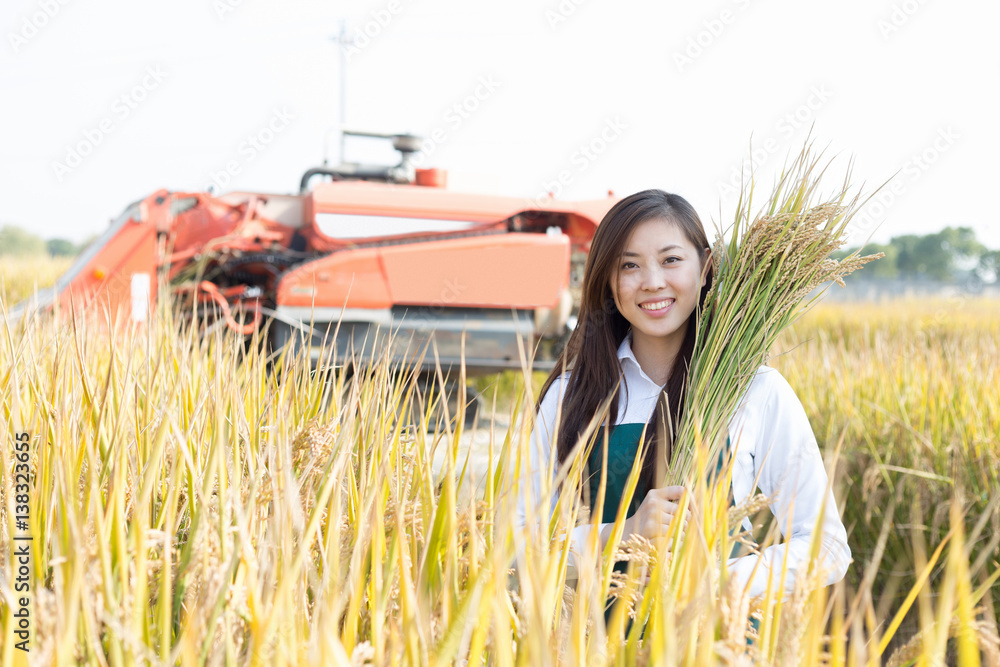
(647, 271)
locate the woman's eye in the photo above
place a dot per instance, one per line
(668, 260)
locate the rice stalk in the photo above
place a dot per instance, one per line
(761, 279)
(270, 519)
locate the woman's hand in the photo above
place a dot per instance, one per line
(654, 516)
(656, 512)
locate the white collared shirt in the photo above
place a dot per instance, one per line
(774, 445)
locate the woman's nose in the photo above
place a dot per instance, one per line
(653, 280)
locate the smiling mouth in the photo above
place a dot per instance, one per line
(657, 305)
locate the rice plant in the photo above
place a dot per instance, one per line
(193, 506)
(22, 276)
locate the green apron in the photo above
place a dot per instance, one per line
(623, 446)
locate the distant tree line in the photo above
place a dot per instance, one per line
(950, 254)
(15, 241)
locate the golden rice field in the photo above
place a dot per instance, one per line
(189, 506)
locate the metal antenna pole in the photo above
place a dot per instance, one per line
(343, 87)
(341, 41)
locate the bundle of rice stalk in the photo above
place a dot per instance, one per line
(762, 277)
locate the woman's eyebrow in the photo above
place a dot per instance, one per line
(663, 249)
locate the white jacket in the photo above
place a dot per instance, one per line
(773, 439)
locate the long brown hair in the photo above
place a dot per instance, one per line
(591, 351)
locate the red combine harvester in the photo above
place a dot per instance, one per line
(377, 249)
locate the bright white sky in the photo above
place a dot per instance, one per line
(885, 81)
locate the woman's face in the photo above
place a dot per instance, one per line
(661, 268)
